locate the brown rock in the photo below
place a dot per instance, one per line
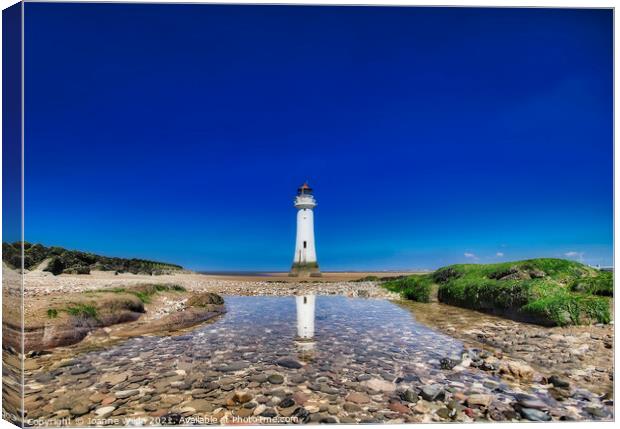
(244, 412)
(399, 408)
(480, 400)
(96, 397)
(300, 398)
(200, 405)
(518, 370)
(358, 398)
(242, 397)
(108, 400)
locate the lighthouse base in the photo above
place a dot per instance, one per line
(309, 269)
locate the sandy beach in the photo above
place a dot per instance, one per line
(38, 283)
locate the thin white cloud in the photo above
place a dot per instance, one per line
(575, 255)
(499, 254)
(470, 255)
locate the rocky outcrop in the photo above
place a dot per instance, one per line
(71, 325)
(190, 316)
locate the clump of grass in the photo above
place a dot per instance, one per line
(146, 292)
(602, 284)
(76, 310)
(416, 288)
(82, 310)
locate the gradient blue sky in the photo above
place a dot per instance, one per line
(431, 136)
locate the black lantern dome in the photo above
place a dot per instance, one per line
(304, 189)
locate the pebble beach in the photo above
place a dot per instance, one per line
(373, 359)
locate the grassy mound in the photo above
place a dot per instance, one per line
(547, 291)
(144, 292)
(109, 303)
(416, 288)
(76, 262)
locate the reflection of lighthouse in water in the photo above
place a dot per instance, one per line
(305, 318)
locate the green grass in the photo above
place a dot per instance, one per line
(547, 291)
(82, 310)
(100, 304)
(416, 288)
(76, 310)
(565, 308)
(146, 292)
(602, 285)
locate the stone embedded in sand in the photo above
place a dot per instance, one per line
(351, 407)
(289, 363)
(534, 415)
(108, 400)
(312, 408)
(300, 397)
(275, 379)
(533, 403)
(269, 413)
(399, 408)
(558, 381)
(516, 369)
(80, 409)
(258, 378)
(259, 409)
(243, 397)
(432, 392)
(244, 412)
(80, 370)
(234, 366)
(286, 403)
(479, 400)
(96, 397)
(358, 398)
(113, 378)
(287, 412)
(122, 394)
(104, 411)
(409, 396)
(444, 413)
(380, 385)
(201, 405)
(64, 403)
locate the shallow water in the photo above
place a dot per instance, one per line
(341, 343)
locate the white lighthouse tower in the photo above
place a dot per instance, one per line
(304, 260)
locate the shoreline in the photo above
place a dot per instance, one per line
(476, 331)
(547, 349)
(38, 284)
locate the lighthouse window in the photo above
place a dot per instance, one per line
(305, 299)
(305, 244)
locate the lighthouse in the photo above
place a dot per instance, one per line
(304, 260)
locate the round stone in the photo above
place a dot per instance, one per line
(275, 379)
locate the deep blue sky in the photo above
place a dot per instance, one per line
(431, 136)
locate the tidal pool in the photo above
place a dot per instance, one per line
(326, 359)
